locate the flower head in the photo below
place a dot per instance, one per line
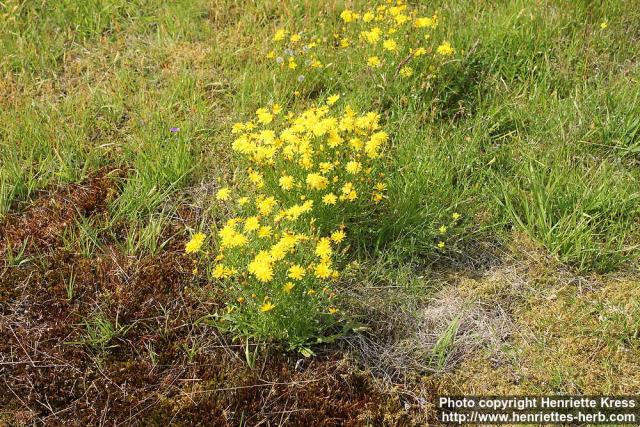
(195, 243)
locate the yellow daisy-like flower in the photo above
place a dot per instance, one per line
(267, 306)
(338, 236)
(195, 243)
(323, 248)
(279, 35)
(329, 199)
(442, 229)
(353, 167)
(223, 194)
(256, 178)
(264, 116)
(265, 231)
(455, 216)
(390, 44)
(333, 99)
(374, 61)
(348, 16)
(286, 182)
(288, 287)
(323, 270)
(251, 224)
(445, 49)
(266, 205)
(425, 23)
(441, 244)
(316, 181)
(261, 267)
(333, 310)
(296, 272)
(406, 71)
(243, 201)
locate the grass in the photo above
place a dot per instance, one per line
(530, 132)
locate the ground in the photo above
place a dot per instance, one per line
(530, 132)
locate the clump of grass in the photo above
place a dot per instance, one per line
(583, 217)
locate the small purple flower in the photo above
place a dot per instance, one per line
(174, 130)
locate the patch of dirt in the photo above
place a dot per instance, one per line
(123, 345)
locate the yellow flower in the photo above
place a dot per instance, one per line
(316, 181)
(276, 108)
(329, 199)
(419, 51)
(604, 25)
(195, 243)
(222, 272)
(338, 236)
(267, 306)
(296, 272)
(279, 35)
(380, 186)
(442, 229)
(237, 128)
(353, 167)
(368, 17)
(333, 99)
(333, 310)
(223, 194)
(286, 182)
(326, 166)
(372, 36)
(348, 16)
(265, 231)
(294, 38)
(406, 71)
(264, 116)
(390, 45)
(251, 224)
(455, 216)
(441, 244)
(323, 270)
(266, 205)
(425, 22)
(243, 201)
(261, 267)
(323, 248)
(374, 61)
(288, 287)
(256, 178)
(230, 238)
(445, 49)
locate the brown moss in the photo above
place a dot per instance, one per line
(146, 375)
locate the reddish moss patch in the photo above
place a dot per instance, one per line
(161, 365)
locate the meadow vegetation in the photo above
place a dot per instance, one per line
(415, 196)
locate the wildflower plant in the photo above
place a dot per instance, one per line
(307, 177)
(390, 42)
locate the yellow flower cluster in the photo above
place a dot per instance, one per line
(307, 177)
(391, 37)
